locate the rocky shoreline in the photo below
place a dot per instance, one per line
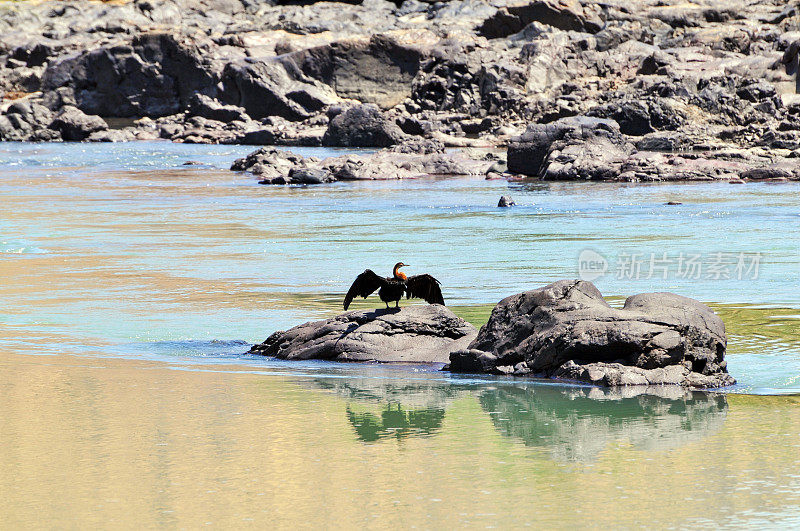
(644, 91)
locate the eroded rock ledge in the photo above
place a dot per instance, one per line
(567, 330)
(408, 160)
(414, 334)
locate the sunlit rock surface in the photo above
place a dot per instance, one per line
(414, 334)
(721, 76)
(567, 330)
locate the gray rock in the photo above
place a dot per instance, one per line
(640, 116)
(112, 135)
(531, 153)
(75, 125)
(419, 146)
(265, 88)
(725, 76)
(363, 126)
(664, 141)
(276, 166)
(156, 74)
(26, 121)
(413, 334)
(562, 14)
(202, 105)
(505, 201)
(310, 176)
(272, 165)
(567, 330)
(379, 71)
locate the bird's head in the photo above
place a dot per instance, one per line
(396, 271)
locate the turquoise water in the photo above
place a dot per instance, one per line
(121, 249)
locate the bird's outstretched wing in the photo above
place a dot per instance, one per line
(424, 287)
(364, 285)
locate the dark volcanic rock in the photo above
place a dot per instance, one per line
(639, 117)
(531, 153)
(75, 125)
(266, 88)
(414, 334)
(202, 105)
(362, 126)
(567, 330)
(26, 121)
(155, 75)
(310, 176)
(505, 201)
(379, 71)
(562, 14)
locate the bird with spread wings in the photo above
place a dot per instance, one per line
(392, 289)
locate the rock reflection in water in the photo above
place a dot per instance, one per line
(575, 424)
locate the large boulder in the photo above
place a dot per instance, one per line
(414, 334)
(75, 125)
(380, 70)
(362, 126)
(594, 147)
(265, 87)
(562, 14)
(639, 117)
(206, 107)
(156, 74)
(567, 330)
(27, 121)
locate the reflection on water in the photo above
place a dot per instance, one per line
(89, 442)
(379, 408)
(572, 423)
(394, 421)
(577, 424)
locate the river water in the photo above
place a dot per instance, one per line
(131, 284)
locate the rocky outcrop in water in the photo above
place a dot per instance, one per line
(590, 148)
(408, 160)
(414, 334)
(567, 330)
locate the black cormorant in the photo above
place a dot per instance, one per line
(392, 288)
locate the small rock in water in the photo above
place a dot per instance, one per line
(414, 334)
(673, 203)
(192, 163)
(506, 201)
